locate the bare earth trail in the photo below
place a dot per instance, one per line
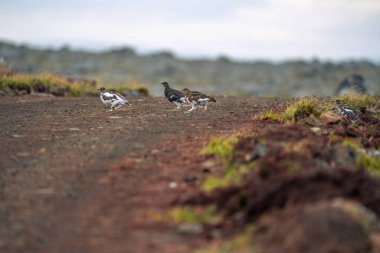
(77, 178)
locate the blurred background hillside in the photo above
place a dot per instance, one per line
(264, 47)
(220, 76)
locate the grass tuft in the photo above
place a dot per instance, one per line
(192, 215)
(271, 115)
(366, 160)
(222, 147)
(302, 108)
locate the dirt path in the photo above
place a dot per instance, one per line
(76, 178)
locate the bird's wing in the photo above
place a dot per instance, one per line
(174, 95)
(196, 95)
(203, 100)
(108, 96)
(348, 109)
(119, 96)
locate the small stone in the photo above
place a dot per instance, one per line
(208, 164)
(259, 151)
(189, 179)
(155, 151)
(17, 136)
(329, 118)
(190, 228)
(316, 130)
(173, 185)
(74, 129)
(42, 150)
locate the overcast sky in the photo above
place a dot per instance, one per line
(265, 29)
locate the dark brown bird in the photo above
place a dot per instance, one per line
(196, 99)
(175, 96)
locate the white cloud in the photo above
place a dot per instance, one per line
(272, 29)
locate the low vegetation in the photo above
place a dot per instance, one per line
(367, 159)
(359, 101)
(21, 84)
(195, 215)
(302, 108)
(314, 107)
(256, 180)
(221, 147)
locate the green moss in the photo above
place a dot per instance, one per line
(370, 163)
(222, 147)
(232, 176)
(302, 108)
(271, 115)
(213, 182)
(192, 215)
(358, 101)
(366, 160)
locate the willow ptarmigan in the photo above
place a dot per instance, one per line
(116, 100)
(196, 98)
(175, 96)
(347, 111)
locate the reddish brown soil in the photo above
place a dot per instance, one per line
(323, 227)
(77, 178)
(299, 166)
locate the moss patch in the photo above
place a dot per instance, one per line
(365, 159)
(302, 108)
(222, 147)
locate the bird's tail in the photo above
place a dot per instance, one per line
(212, 99)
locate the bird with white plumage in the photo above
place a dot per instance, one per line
(113, 98)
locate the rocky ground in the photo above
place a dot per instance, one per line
(77, 178)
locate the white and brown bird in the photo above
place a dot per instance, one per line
(175, 96)
(116, 100)
(196, 99)
(348, 112)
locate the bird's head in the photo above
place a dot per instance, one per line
(165, 84)
(101, 89)
(338, 102)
